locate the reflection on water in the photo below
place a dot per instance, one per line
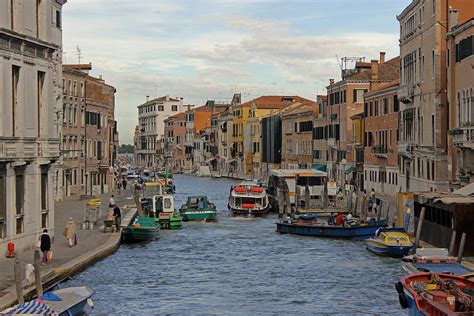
(238, 266)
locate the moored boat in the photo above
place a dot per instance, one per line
(248, 198)
(435, 260)
(436, 294)
(66, 301)
(390, 242)
(142, 229)
(349, 229)
(198, 208)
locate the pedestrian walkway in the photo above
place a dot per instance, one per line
(87, 240)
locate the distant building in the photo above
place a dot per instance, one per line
(31, 114)
(381, 112)
(151, 117)
(90, 137)
(461, 100)
(297, 135)
(320, 145)
(174, 149)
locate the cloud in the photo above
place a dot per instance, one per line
(209, 49)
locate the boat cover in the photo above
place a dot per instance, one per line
(442, 267)
(30, 308)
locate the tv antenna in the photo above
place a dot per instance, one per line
(78, 54)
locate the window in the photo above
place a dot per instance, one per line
(464, 48)
(3, 201)
(432, 64)
(358, 95)
(409, 68)
(19, 199)
(39, 98)
(83, 91)
(57, 17)
(433, 2)
(174, 108)
(15, 79)
(44, 188)
(396, 105)
(161, 108)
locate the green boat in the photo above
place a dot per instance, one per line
(142, 229)
(161, 209)
(198, 208)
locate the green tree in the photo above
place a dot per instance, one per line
(125, 149)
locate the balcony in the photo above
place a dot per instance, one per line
(406, 93)
(463, 137)
(405, 149)
(380, 151)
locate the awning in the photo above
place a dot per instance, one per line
(319, 167)
(466, 190)
(209, 160)
(351, 169)
(231, 161)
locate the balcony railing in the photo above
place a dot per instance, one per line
(406, 93)
(463, 137)
(380, 150)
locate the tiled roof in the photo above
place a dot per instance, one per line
(299, 108)
(160, 99)
(389, 70)
(178, 116)
(386, 85)
(274, 101)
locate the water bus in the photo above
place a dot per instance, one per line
(248, 198)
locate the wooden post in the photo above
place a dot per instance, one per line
(18, 281)
(356, 204)
(418, 229)
(452, 243)
(461, 247)
(37, 265)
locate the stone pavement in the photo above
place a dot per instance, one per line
(87, 240)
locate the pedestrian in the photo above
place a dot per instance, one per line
(111, 201)
(373, 200)
(45, 246)
(124, 183)
(70, 232)
(118, 216)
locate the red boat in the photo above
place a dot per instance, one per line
(436, 294)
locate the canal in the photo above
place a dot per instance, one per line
(240, 266)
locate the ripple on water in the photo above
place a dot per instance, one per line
(240, 267)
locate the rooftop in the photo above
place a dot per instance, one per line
(274, 101)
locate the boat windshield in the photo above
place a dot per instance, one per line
(310, 181)
(239, 201)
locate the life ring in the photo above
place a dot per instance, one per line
(402, 298)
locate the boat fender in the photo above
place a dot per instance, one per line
(402, 298)
(399, 287)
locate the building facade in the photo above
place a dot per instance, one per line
(423, 126)
(320, 145)
(151, 117)
(345, 99)
(174, 149)
(380, 153)
(297, 136)
(461, 98)
(31, 110)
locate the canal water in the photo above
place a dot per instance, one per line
(240, 267)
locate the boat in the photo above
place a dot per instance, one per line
(436, 294)
(390, 242)
(248, 198)
(166, 178)
(161, 208)
(142, 229)
(353, 228)
(67, 301)
(198, 208)
(435, 260)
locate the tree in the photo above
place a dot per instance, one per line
(125, 149)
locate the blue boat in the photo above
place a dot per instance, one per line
(434, 260)
(390, 242)
(354, 232)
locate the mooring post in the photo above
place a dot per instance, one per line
(356, 204)
(418, 229)
(18, 281)
(461, 247)
(37, 265)
(452, 243)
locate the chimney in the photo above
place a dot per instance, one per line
(453, 18)
(147, 98)
(167, 97)
(374, 69)
(382, 57)
(331, 81)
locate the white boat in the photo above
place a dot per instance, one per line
(248, 198)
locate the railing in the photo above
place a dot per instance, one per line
(463, 137)
(406, 93)
(379, 150)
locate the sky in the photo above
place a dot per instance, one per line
(208, 49)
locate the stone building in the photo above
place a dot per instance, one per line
(320, 145)
(423, 116)
(345, 99)
(380, 153)
(297, 136)
(226, 163)
(30, 129)
(461, 99)
(151, 117)
(174, 149)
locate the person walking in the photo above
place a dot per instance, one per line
(373, 201)
(45, 246)
(117, 216)
(70, 232)
(124, 183)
